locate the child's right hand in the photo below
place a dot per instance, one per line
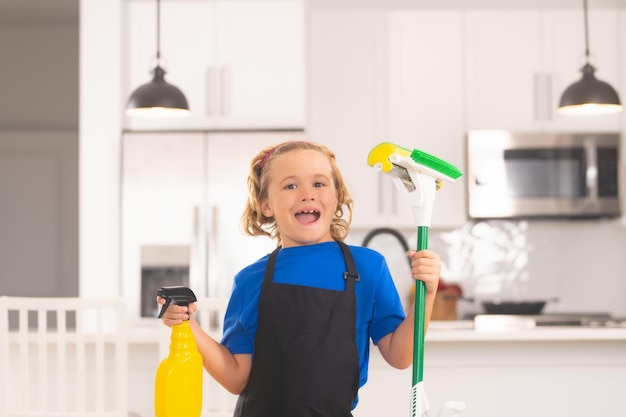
(176, 314)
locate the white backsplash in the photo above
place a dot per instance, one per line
(580, 262)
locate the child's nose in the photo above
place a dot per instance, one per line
(307, 193)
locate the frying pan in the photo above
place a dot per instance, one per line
(521, 307)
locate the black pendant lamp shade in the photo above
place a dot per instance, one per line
(157, 98)
(589, 96)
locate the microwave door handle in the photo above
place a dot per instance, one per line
(591, 172)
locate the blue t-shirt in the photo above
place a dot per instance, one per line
(379, 309)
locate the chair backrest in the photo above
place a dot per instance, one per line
(216, 400)
(63, 357)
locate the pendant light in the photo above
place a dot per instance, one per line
(589, 96)
(157, 98)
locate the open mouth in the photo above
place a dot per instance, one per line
(307, 216)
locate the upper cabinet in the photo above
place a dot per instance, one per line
(519, 62)
(380, 76)
(348, 70)
(426, 96)
(241, 64)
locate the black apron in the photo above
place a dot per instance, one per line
(306, 361)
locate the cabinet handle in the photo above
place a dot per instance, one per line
(591, 174)
(537, 95)
(224, 90)
(209, 79)
(213, 254)
(198, 261)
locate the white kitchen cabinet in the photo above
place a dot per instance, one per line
(378, 77)
(348, 108)
(519, 62)
(500, 373)
(162, 189)
(241, 64)
(506, 376)
(188, 189)
(426, 100)
(228, 157)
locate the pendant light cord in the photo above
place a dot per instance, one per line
(159, 32)
(586, 31)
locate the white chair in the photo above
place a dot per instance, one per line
(64, 357)
(216, 400)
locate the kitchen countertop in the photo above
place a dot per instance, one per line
(453, 331)
(463, 330)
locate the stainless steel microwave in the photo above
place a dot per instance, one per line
(573, 175)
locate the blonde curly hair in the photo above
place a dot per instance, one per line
(254, 223)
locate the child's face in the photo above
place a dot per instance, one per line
(301, 197)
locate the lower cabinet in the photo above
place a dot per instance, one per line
(511, 378)
(513, 374)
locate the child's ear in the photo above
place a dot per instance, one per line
(266, 209)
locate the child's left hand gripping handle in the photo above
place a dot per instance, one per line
(179, 295)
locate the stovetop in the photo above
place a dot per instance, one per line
(506, 321)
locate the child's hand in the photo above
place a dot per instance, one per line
(176, 314)
(426, 266)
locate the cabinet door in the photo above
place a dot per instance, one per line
(187, 45)
(348, 107)
(426, 98)
(504, 78)
(162, 190)
(564, 51)
(228, 157)
(520, 62)
(240, 64)
(261, 64)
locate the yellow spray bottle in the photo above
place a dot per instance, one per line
(178, 382)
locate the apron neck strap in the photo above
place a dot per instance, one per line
(351, 276)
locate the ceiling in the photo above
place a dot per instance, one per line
(39, 11)
(67, 11)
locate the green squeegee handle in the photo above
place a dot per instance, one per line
(420, 314)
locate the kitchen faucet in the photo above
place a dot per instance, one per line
(389, 231)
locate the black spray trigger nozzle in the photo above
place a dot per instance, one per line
(178, 295)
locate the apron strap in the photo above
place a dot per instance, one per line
(351, 276)
(269, 268)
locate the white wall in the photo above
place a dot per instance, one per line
(100, 137)
(579, 262)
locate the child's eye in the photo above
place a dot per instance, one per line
(319, 184)
(290, 186)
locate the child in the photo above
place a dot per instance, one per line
(299, 321)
